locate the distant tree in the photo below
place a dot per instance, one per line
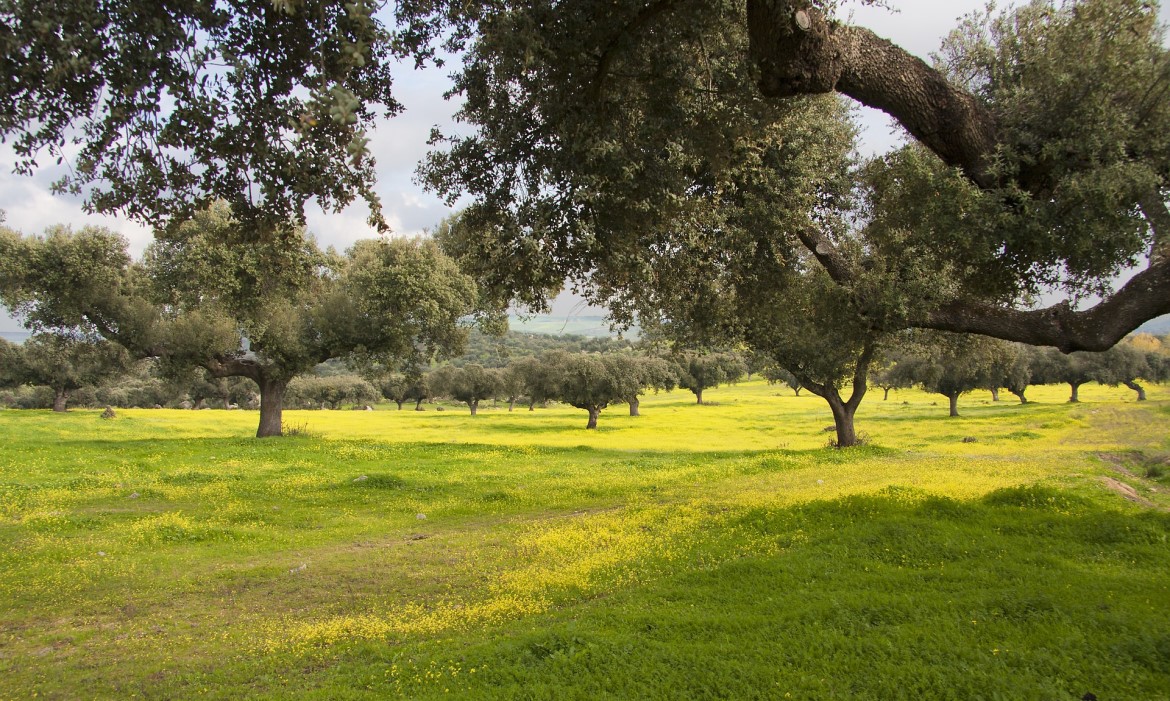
(331, 392)
(66, 363)
(10, 365)
(1125, 364)
(513, 384)
(1074, 369)
(890, 373)
(637, 374)
(590, 381)
(701, 371)
(1010, 368)
(403, 387)
(776, 375)
(469, 384)
(952, 364)
(538, 378)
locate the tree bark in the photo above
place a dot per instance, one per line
(995, 394)
(593, 414)
(843, 413)
(271, 407)
(1141, 391)
(60, 399)
(474, 404)
(399, 403)
(418, 405)
(511, 403)
(800, 52)
(635, 403)
(1076, 392)
(1020, 394)
(885, 394)
(698, 395)
(954, 398)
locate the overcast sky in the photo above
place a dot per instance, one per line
(399, 144)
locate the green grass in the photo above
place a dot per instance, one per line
(695, 552)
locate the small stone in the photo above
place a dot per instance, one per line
(134, 495)
(101, 554)
(439, 408)
(421, 517)
(109, 413)
(298, 569)
(970, 439)
(363, 478)
(820, 481)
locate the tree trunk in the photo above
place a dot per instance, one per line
(1076, 392)
(271, 407)
(796, 390)
(634, 404)
(60, 398)
(885, 394)
(1141, 391)
(418, 405)
(995, 394)
(1020, 394)
(593, 414)
(474, 404)
(511, 403)
(954, 403)
(843, 420)
(400, 403)
(532, 405)
(698, 395)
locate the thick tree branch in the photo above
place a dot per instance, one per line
(827, 255)
(861, 376)
(1143, 298)
(235, 367)
(800, 51)
(644, 17)
(1154, 209)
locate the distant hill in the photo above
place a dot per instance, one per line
(558, 325)
(1158, 327)
(15, 336)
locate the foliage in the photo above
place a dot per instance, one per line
(264, 105)
(469, 384)
(65, 364)
(702, 371)
(311, 392)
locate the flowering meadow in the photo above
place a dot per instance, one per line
(715, 551)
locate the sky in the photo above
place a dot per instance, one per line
(399, 144)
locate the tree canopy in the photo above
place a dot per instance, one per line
(162, 110)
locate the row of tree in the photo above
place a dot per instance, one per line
(954, 365)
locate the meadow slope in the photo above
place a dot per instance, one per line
(720, 551)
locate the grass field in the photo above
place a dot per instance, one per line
(716, 551)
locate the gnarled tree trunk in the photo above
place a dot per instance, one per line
(271, 406)
(1141, 391)
(594, 412)
(60, 398)
(954, 399)
(1076, 392)
(635, 403)
(698, 395)
(474, 404)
